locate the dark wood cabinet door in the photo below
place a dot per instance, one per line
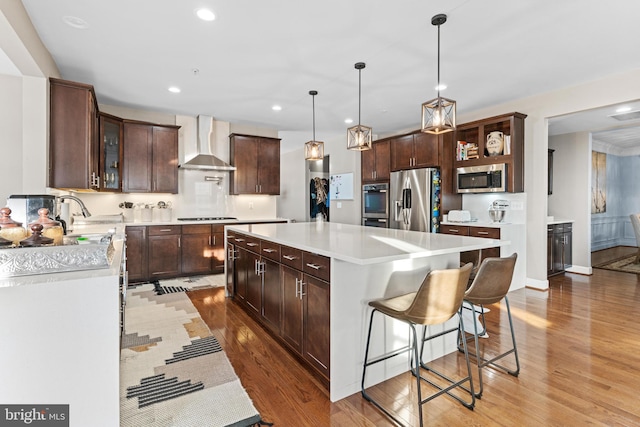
(242, 269)
(165, 160)
(254, 283)
(269, 166)
(217, 253)
(196, 253)
(73, 135)
(111, 153)
(316, 346)
(368, 165)
(136, 251)
(138, 146)
(231, 270)
(402, 153)
(291, 328)
(164, 256)
(426, 150)
(271, 294)
(382, 152)
(244, 155)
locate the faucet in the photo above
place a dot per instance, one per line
(85, 211)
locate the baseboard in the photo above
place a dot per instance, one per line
(541, 285)
(587, 271)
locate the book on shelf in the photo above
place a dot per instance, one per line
(466, 150)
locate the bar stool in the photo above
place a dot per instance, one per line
(438, 299)
(490, 286)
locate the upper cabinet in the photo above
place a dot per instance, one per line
(73, 136)
(257, 162)
(150, 158)
(416, 150)
(376, 162)
(111, 153)
(494, 140)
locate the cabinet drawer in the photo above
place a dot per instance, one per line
(486, 232)
(291, 257)
(316, 265)
(160, 230)
(196, 229)
(217, 228)
(270, 250)
(252, 244)
(461, 230)
(567, 227)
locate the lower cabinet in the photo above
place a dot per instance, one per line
(136, 253)
(559, 248)
(164, 251)
(288, 292)
(466, 230)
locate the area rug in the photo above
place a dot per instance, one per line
(173, 371)
(626, 264)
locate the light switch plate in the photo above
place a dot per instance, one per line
(517, 206)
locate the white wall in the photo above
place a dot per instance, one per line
(294, 186)
(571, 198)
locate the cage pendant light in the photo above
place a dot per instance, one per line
(314, 150)
(439, 114)
(359, 137)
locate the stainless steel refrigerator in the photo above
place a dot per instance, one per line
(415, 200)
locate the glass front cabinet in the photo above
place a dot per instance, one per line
(111, 153)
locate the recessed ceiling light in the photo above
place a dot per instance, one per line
(623, 109)
(276, 108)
(174, 89)
(75, 22)
(348, 121)
(205, 14)
(441, 86)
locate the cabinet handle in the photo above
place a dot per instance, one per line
(269, 250)
(260, 186)
(297, 282)
(179, 241)
(239, 240)
(289, 257)
(256, 188)
(454, 230)
(483, 232)
(209, 240)
(314, 266)
(231, 254)
(164, 230)
(252, 244)
(214, 240)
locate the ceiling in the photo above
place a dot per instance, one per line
(259, 53)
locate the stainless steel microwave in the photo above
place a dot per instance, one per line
(482, 179)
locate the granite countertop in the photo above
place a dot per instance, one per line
(364, 245)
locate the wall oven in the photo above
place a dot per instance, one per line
(375, 204)
(482, 179)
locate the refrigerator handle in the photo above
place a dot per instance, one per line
(397, 210)
(406, 198)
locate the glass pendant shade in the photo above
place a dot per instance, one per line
(314, 150)
(359, 138)
(439, 115)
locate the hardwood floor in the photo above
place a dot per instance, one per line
(607, 255)
(579, 355)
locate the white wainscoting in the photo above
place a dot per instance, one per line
(611, 231)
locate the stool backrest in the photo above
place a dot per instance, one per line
(492, 281)
(440, 296)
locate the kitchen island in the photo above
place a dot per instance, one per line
(365, 263)
(60, 338)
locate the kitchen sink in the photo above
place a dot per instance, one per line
(92, 251)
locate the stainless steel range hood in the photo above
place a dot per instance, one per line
(204, 158)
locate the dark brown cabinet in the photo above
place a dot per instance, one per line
(257, 162)
(150, 158)
(512, 155)
(136, 253)
(164, 251)
(416, 150)
(196, 249)
(376, 162)
(73, 136)
(295, 295)
(485, 232)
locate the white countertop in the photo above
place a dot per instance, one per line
(364, 245)
(222, 221)
(478, 224)
(560, 221)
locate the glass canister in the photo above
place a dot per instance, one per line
(50, 228)
(10, 229)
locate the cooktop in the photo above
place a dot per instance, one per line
(208, 218)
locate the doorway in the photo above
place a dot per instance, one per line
(318, 189)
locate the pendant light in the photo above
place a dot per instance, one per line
(359, 137)
(439, 115)
(314, 150)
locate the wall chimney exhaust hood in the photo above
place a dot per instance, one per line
(204, 158)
